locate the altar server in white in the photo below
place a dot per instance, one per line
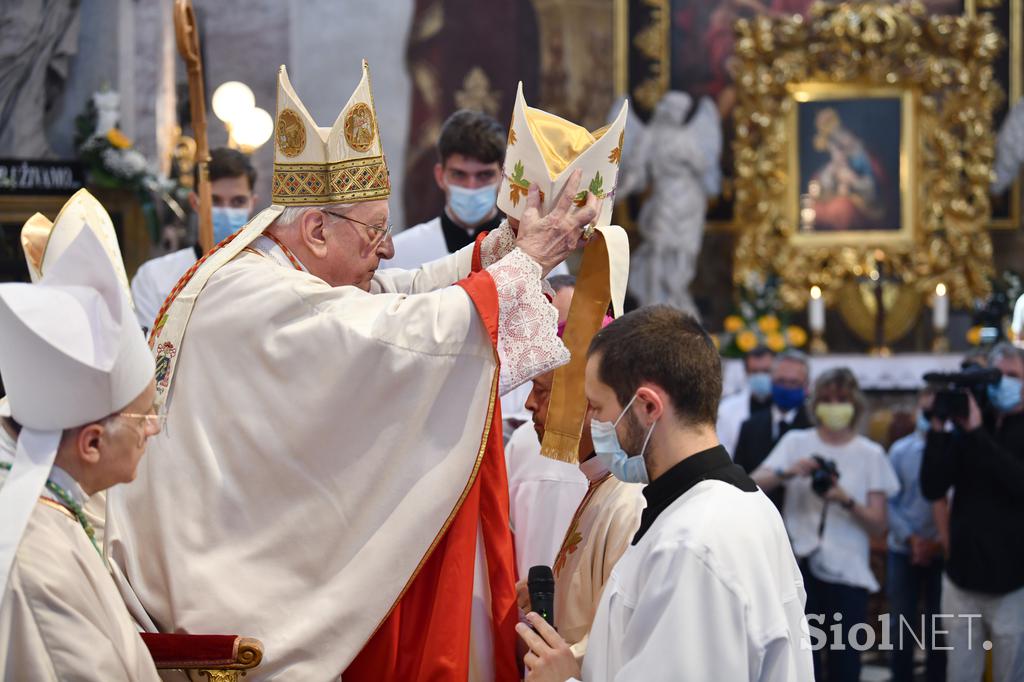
(709, 588)
(75, 422)
(331, 476)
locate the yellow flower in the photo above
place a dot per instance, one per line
(974, 335)
(768, 324)
(118, 139)
(746, 340)
(733, 324)
(776, 341)
(796, 336)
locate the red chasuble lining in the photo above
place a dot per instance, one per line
(427, 634)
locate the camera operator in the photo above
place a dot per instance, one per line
(982, 458)
(837, 484)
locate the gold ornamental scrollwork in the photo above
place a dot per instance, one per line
(945, 63)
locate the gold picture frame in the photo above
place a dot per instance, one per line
(946, 63)
(801, 215)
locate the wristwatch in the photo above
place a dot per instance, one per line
(782, 473)
(848, 505)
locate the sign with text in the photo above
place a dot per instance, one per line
(32, 176)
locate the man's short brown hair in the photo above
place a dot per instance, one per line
(472, 134)
(227, 163)
(668, 348)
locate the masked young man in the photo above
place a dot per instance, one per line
(709, 588)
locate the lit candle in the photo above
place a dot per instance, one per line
(816, 311)
(940, 307)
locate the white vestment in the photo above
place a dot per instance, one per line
(733, 410)
(61, 616)
(318, 442)
(420, 244)
(417, 245)
(710, 592)
(543, 495)
(154, 280)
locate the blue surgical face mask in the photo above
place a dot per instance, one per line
(923, 424)
(227, 221)
(631, 469)
(1005, 395)
(787, 399)
(760, 384)
(471, 206)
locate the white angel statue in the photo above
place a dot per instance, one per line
(679, 161)
(108, 110)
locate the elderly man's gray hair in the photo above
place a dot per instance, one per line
(1003, 350)
(291, 214)
(793, 355)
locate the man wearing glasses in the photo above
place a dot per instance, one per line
(75, 422)
(330, 478)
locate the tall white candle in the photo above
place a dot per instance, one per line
(816, 311)
(940, 307)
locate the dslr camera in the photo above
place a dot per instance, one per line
(951, 400)
(824, 477)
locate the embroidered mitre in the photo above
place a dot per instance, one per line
(341, 164)
(545, 149)
(44, 242)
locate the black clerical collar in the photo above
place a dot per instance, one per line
(711, 464)
(456, 237)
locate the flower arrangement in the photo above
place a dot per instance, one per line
(112, 162)
(759, 320)
(109, 155)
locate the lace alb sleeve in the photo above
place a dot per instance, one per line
(497, 244)
(528, 343)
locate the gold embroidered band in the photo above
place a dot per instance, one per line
(342, 182)
(601, 282)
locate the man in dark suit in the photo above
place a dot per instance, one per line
(763, 429)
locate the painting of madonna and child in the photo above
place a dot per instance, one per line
(848, 154)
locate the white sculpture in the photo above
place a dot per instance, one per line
(679, 161)
(1009, 149)
(108, 110)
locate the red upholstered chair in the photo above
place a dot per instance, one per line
(222, 658)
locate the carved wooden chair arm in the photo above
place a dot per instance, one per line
(231, 654)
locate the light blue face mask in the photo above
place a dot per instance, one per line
(923, 425)
(471, 206)
(1005, 395)
(608, 450)
(760, 384)
(227, 221)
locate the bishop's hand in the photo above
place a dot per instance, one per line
(551, 238)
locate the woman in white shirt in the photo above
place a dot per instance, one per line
(831, 528)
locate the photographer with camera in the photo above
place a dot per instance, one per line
(978, 451)
(837, 484)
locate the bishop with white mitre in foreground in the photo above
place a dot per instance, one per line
(331, 479)
(79, 409)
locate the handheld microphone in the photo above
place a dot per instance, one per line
(541, 583)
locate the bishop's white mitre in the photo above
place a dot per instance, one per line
(71, 353)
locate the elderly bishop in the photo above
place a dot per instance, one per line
(331, 477)
(75, 422)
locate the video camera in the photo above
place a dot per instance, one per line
(954, 387)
